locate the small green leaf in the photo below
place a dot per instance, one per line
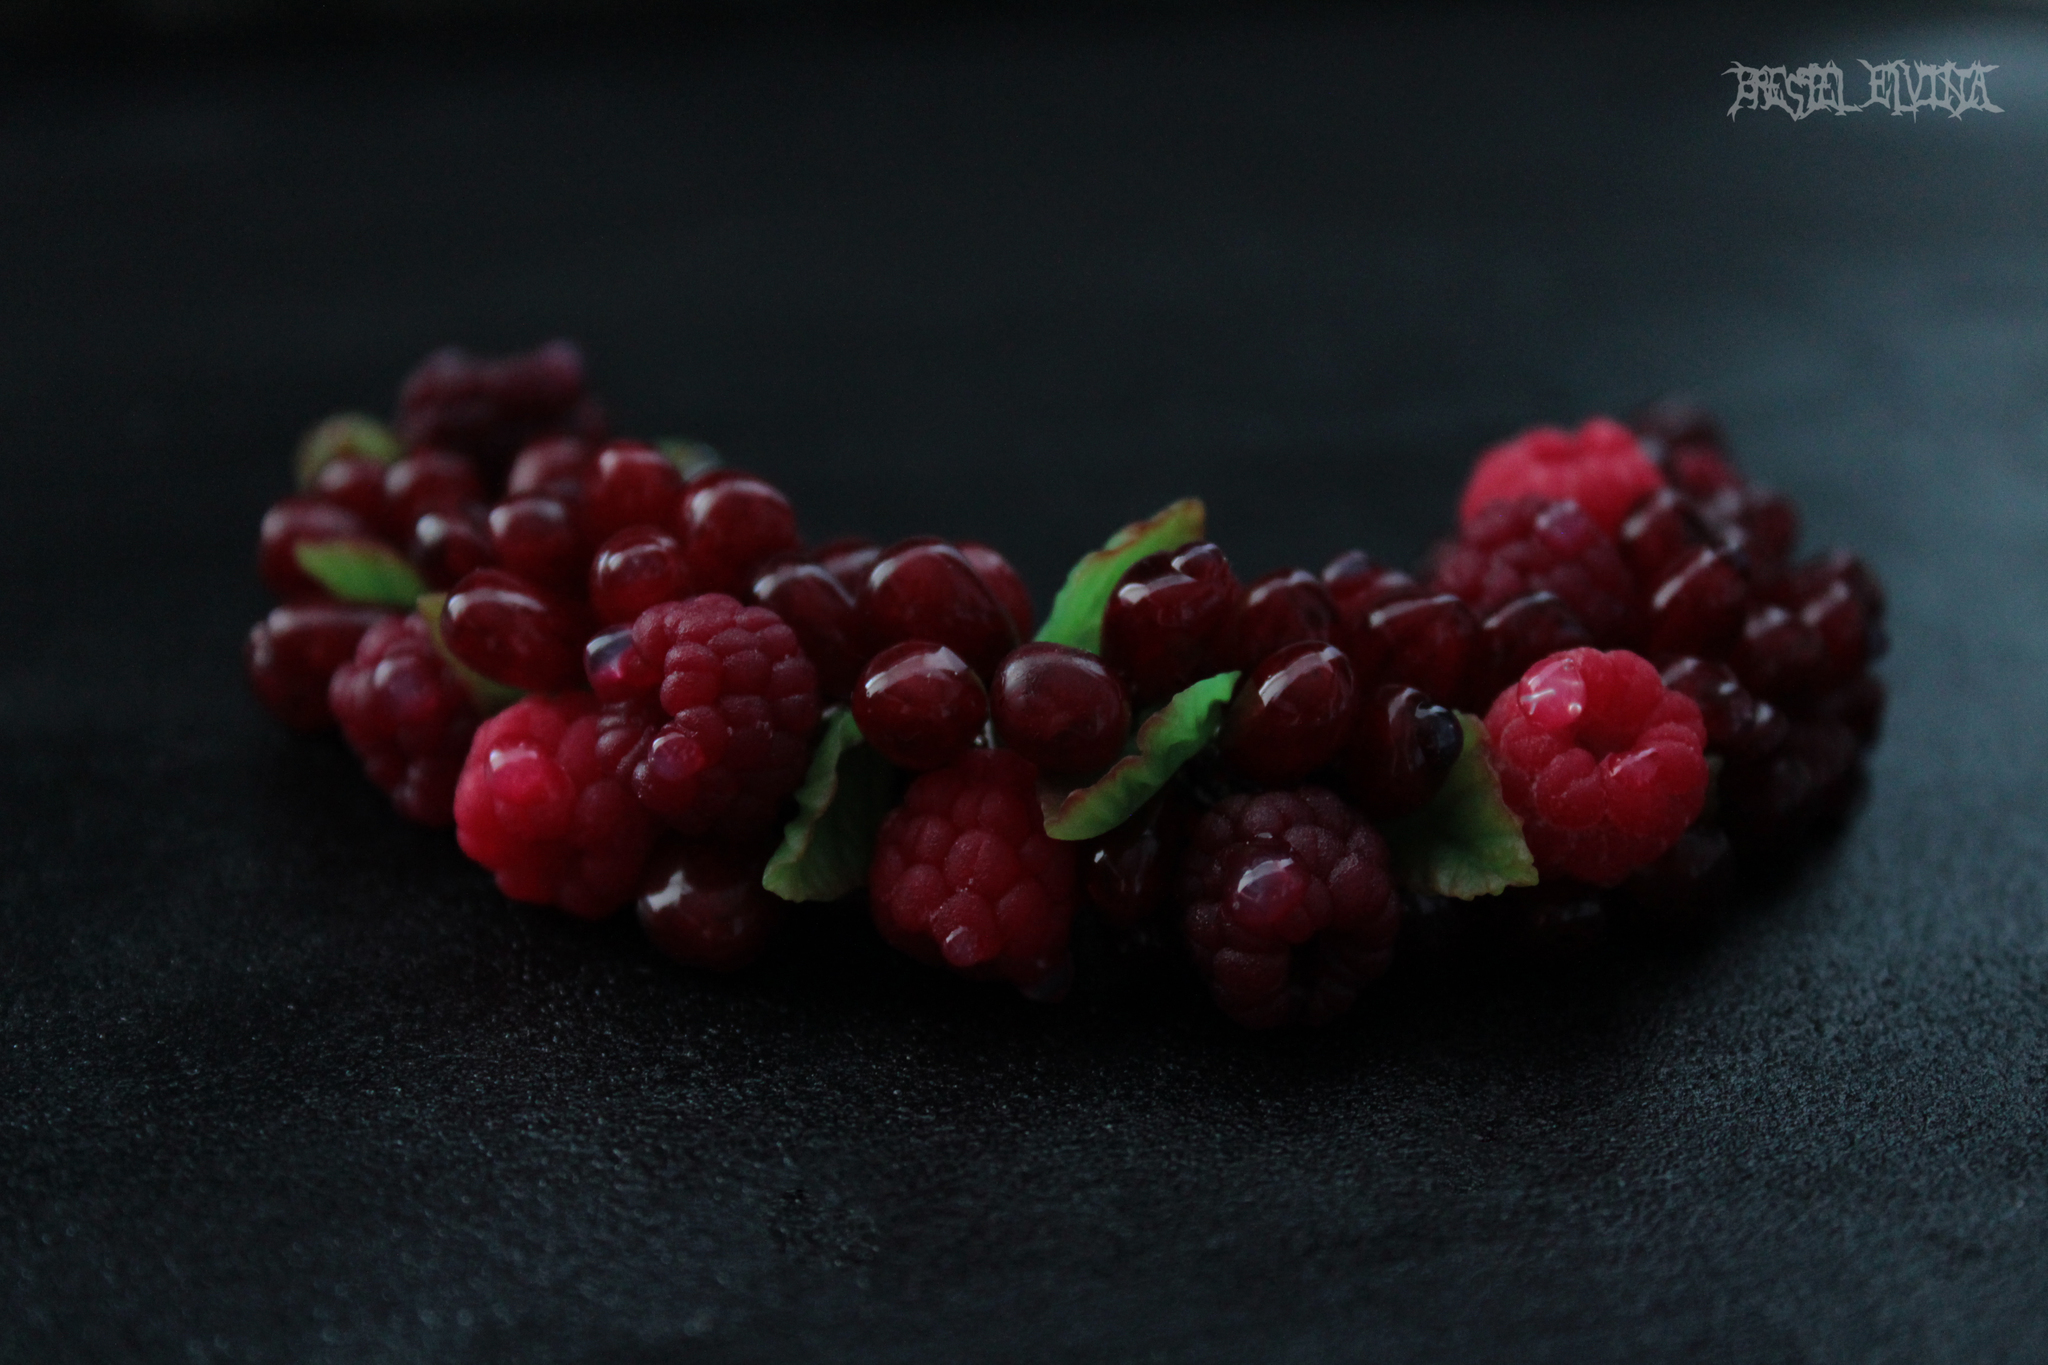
(690, 458)
(1076, 616)
(1466, 842)
(366, 571)
(345, 433)
(487, 695)
(826, 849)
(1169, 737)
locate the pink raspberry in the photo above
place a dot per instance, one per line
(1529, 545)
(743, 700)
(1600, 467)
(1289, 905)
(407, 717)
(965, 875)
(546, 804)
(1605, 765)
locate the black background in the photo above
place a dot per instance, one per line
(286, 1080)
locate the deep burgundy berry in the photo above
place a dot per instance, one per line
(1428, 642)
(555, 467)
(513, 632)
(407, 717)
(292, 653)
(1360, 584)
(447, 546)
(285, 525)
(926, 590)
(1284, 607)
(1661, 529)
(634, 569)
(1774, 799)
(1698, 606)
(616, 669)
(1779, 655)
(919, 704)
(1399, 751)
(1850, 637)
(1604, 764)
(628, 484)
(1600, 467)
(965, 876)
(1060, 707)
(729, 522)
(1291, 714)
(430, 481)
(489, 409)
(1682, 886)
(544, 802)
(848, 559)
(1128, 873)
(357, 483)
(1525, 630)
(703, 904)
(536, 538)
(1004, 583)
(1164, 625)
(1288, 906)
(1768, 523)
(826, 621)
(1736, 721)
(1688, 445)
(1814, 577)
(1511, 549)
(742, 701)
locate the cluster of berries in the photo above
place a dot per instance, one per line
(620, 673)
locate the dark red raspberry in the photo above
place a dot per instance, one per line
(1698, 606)
(848, 559)
(489, 409)
(616, 668)
(292, 653)
(514, 633)
(919, 704)
(1166, 622)
(925, 589)
(1430, 642)
(634, 569)
(703, 904)
(965, 875)
(536, 538)
(1004, 584)
(1600, 467)
(1399, 751)
(743, 701)
(285, 525)
(1128, 873)
(1525, 630)
(825, 618)
(1512, 549)
(1689, 446)
(1289, 910)
(1291, 714)
(1284, 607)
(448, 546)
(557, 467)
(356, 483)
(628, 484)
(1604, 764)
(430, 481)
(407, 717)
(1061, 708)
(544, 802)
(730, 522)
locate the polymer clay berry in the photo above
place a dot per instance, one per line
(965, 876)
(407, 716)
(1529, 628)
(1060, 707)
(491, 408)
(818, 607)
(1601, 467)
(535, 536)
(1291, 714)
(730, 523)
(447, 547)
(430, 481)
(291, 522)
(513, 632)
(1399, 752)
(292, 653)
(634, 569)
(1511, 549)
(1166, 624)
(1604, 764)
(926, 589)
(1004, 584)
(919, 705)
(628, 484)
(1281, 608)
(703, 904)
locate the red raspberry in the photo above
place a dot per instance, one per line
(966, 876)
(703, 904)
(743, 701)
(407, 717)
(1512, 549)
(545, 802)
(1605, 765)
(489, 409)
(1600, 467)
(1289, 906)
(292, 653)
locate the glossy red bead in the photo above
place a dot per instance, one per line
(703, 904)
(819, 609)
(919, 705)
(1164, 625)
(729, 522)
(1399, 752)
(285, 525)
(628, 484)
(1291, 714)
(1004, 583)
(634, 569)
(535, 537)
(430, 481)
(1284, 607)
(446, 546)
(512, 632)
(926, 590)
(1060, 707)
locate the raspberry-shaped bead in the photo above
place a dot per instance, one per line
(545, 804)
(1512, 549)
(965, 875)
(407, 717)
(1605, 765)
(1289, 909)
(1601, 467)
(742, 700)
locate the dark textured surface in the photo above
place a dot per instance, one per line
(284, 1080)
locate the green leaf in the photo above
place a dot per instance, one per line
(690, 458)
(366, 571)
(345, 433)
(486, 694)
(1076, 616)
(1466, 842)
(1169, 737)
(826, 849)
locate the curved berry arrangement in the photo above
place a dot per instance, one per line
(621, 674)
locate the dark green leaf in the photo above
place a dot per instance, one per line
(487, 695)
(1076, 616)
(366, 571)
(826, 849)
(1169, 737)
(1466, 842)
(345, 433)
(690, 458)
